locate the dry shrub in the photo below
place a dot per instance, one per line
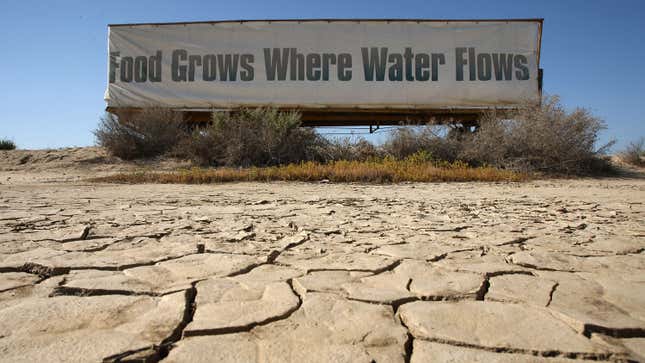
(351, 150)
(258, 137)
(6, 144)
(406, 141)
(387, 170)
(149, 133)
(402, 142)
(539, 137)
(634, 153)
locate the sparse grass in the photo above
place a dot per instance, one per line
(6, 144)
(385, 170)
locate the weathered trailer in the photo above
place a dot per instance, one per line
(335, 72)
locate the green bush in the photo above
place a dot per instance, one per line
(151, 132)
(6, 144)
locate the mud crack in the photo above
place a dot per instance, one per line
(250, 326)
(610, 356)
(156, 353)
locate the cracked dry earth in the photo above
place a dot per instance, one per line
(548, 271)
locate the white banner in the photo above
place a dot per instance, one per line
(320, 64)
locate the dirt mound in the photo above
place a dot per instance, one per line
(76, 158)
(54, 158)
(72, 165)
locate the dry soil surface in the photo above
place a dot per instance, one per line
(546, 271)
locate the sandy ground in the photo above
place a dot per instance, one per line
(546, 271)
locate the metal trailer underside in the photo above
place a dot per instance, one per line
(350, 117)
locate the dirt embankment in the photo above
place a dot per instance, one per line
(48, 159)
(72, 164)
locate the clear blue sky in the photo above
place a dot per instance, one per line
(53, 53)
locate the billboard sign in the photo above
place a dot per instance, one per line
(421, 64)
